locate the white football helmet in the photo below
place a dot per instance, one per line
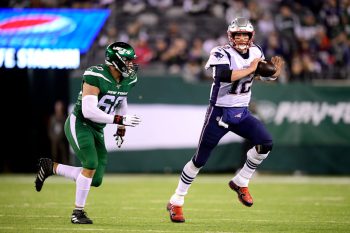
(240, 25)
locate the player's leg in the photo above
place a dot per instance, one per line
(209, 138)
(47, 167)
(81, 138)
(102, 160)
(255, 131)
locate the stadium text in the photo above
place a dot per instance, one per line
(305, 112)
(40, 58)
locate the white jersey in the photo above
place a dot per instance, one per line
(237, 93)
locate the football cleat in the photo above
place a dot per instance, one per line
(243, 194)
(45, 170)
(176, 214)
(80, 217)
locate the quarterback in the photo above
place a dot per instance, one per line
(102, 100)
(233, 69)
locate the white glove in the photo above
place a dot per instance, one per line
(132, 121)
(119, 136)
(119, 140)
(126, 120)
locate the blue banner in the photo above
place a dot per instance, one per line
(50, 28)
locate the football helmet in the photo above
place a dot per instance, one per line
(121, 56)
(240, 25)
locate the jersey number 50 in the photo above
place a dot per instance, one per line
(108, 103)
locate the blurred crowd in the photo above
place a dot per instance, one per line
(173, 37)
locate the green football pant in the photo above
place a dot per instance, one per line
(88, 145)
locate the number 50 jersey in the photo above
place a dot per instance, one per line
(223, 60)
(112, 93)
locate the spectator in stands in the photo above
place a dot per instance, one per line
(160, 5)
(286, 22)
(237, 8)
(134, 7)
(59, 143)
(175, 56)
(144, 51)
(330, 15)
(195, 7)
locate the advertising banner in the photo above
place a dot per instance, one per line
(47, 38)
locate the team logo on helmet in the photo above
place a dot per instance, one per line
(119, 54)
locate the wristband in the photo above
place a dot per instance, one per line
(118, 119)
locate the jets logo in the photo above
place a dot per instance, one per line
(218, 55)
(122, 51)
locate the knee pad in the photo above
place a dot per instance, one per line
(264, 148)
(259, 152)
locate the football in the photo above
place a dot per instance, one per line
(265, 68)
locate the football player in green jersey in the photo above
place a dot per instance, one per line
(102, 100)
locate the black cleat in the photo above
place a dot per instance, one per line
(79, 217)
(45, 170)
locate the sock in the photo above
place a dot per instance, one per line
(82, 190)
(245, 174)
(188, 174)
(68, 171)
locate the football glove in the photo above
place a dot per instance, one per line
(127, 120)
(119, 136)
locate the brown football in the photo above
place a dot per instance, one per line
(265, 68)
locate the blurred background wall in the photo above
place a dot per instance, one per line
(307, 110)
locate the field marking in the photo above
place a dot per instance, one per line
(201, 178)
(118, 230)
(201, 219)
(110, 229)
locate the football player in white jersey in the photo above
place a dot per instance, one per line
(233, 67)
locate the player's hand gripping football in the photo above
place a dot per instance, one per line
(127, 120)
(119, 136)
(254, 64)
(279, 63)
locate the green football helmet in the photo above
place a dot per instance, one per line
(117, 55)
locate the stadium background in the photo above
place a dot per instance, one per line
(307, 111)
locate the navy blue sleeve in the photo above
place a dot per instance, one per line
(223, 73)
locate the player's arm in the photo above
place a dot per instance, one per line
(239, 74)
(90, 105)
(92, 112)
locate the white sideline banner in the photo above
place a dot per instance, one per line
(163, 126)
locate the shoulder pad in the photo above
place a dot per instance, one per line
(218, 56)
(257, 50)
(97, 68)
(95, 73)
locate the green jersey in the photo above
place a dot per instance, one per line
(112, 93)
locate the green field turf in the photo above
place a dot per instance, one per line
(136, 203)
